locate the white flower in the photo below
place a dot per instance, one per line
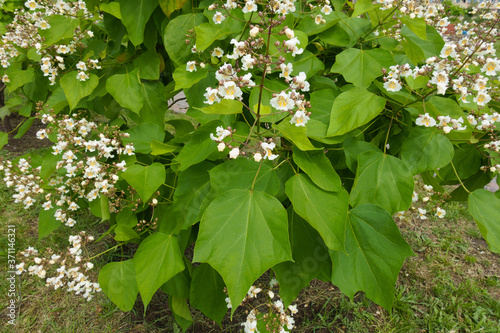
(319, 19)
(221, 146)
(234, 153)
(482, 98)
(191, 66)
(250, 6)
(221, 133)
(254, 32)
(286, 70)
(247, 62)
(425, 120)
(392, 85)
(229, 90)
(291, 45)
(82, 76)
(300, 82)
(440, 213)
(299, 119)
(257, 157)
(414, 197)
(289, 33)
(282, 102)
(491, 66)
(218, 18)
(217, 52)
(326, 9)
(212, 96)
(421, 214)
(268, 148)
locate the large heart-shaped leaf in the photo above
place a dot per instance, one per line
(382, 180)
(374, 254)
(143, 135)
(425, 149)
(126, 89)
(361, 67)
(257, 225)
(117, 281)
(134, 16)
(484, 206)
(310, 255)
(75, 89)
(207, 293)
(319, 168)
(325, 211)
(145, 179)
(352, 109)
(156, 261)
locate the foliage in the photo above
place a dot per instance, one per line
(305, 121)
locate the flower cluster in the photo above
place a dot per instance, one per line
(270, 310)
(71, 270)
(24, 33)
(428, 200)
(87, 167)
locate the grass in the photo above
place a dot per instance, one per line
(451, 285)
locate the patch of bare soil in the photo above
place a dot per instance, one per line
(28, 141)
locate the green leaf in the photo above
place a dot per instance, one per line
(124, 233)
(112, 8)
(417, 25)
(199, 147)
(185, 79)
(418, 49)
(325, 211)
(19, 78)
(353, 109)
(143, 135)
(169, 6)
(47, 222)
(145, 179)
(160, 148)
(308, 25)
(149, 65)
(154, 103)
(484, 206)
(4, 139)
(126, 89)
(126, 217)
(336, 35)
(425, 149)
(207, 33)
(207, 293)
(135, 15)
(61, 27)
(382, 180)
(225, 106)
(241, 173)
(257, 223)
(57, 100)
(174, 37)
(353, 147)
(467, 162)
(75, 89)
(374, 254)
(361, 7)
(118, 282)
(156, 261)
(296, 134)
(24, 128)
(193, 187)
(181, 311)
(310, 256)
(361, 67)
(319, 168)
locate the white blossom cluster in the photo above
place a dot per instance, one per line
(87, 167)
(24, 32)
(275, 317)
(71, 269)
(426, 199)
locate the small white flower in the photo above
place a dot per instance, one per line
(191, 66)
(392, 85)
(234, 153)
(299, 119)
(257, 157)
(221, 133)
(268, 148)
(421, 214)
(221, 146)
(218, 18)
(440, 213)
(82, 76)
